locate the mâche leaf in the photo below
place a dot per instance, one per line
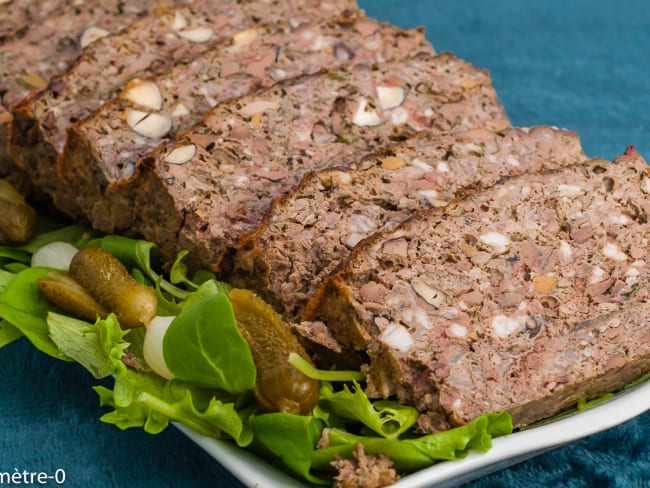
(71, 234)
(178, 273)
(290, 439)
(26, 308)
(13, 254)
(135, 253)
(8, 333)
(203, 346)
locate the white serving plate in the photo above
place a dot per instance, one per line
(506, 451)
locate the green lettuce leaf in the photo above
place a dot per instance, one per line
(8, 333)
(71, 234)
(290, 439)
(13, 254)
(387, 418)
(203, 346)
(413, 454)
(127, 410)
(135, 253)
(178, 273)
(79, 341)
(26, 308)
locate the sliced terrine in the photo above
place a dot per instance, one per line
(526, 297)
(102, 151)
(215, 182)
(147, 46)
(306, 233)
(48, 46)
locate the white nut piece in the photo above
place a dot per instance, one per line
(91, 34)
(154, 126)
(390, 96)
(143, 92)
(244, 38)
(433, 297)
(612, 251)
(198, 35)
(569, 190)
(181, 154)
(366, 116)
(504, 326)
(497, 241)
(397, 336)
(179, 22)
(180, 110)
(257, 106)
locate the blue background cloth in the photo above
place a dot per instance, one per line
(578, 64)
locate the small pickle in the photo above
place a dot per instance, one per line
(62, 290)
(17, 218)
(280, 387)
(108, 281)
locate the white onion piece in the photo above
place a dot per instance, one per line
(153, 346)
(55, 255)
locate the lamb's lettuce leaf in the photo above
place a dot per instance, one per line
(136, 253)
(203, 346)
(8, 333)
(289, 439)
(178, 273)
(71, 234)
(14, 255)
(298, 362)
(26, 308)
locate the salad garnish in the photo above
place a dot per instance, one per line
(197, 357)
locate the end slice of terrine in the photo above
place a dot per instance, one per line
(525, 297)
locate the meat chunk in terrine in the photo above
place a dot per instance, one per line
(309, 231)
(215, 182)
(146, 47)
(525, 297)
(47, 46)
(101, 151)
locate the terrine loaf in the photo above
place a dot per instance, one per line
(48, 46)
(215, 182)
(525, 297)
(101, 151)
(147, 46)
(306, 233)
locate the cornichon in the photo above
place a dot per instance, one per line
(109, 282)
(280, 387)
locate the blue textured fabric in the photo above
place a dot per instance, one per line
(583, 65)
